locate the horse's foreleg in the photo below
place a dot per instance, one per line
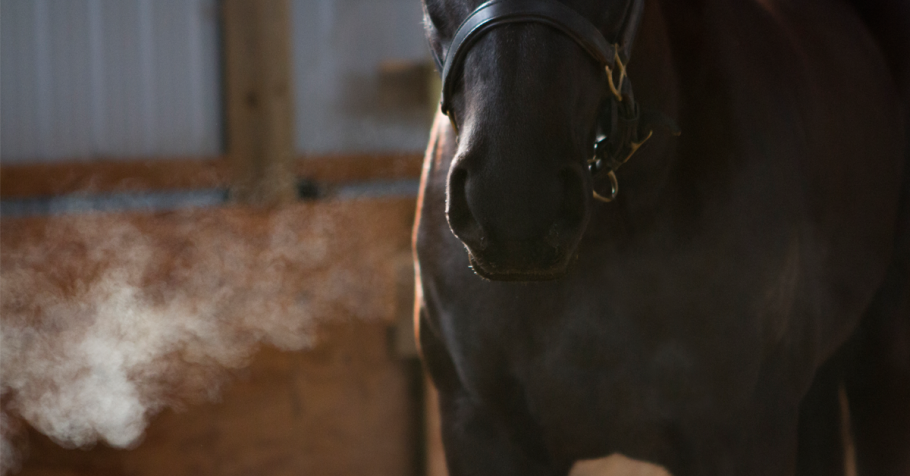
(479, 440)
(878, 387)
(821, 429)
(761, 442)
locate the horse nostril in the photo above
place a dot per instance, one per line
(458, 213)
(457, 209)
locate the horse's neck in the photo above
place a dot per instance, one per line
(652, 62)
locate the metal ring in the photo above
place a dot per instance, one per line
(614, 189)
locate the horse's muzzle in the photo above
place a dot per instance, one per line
(513, 236)
(520, 261)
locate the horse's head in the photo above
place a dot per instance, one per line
(525, 88)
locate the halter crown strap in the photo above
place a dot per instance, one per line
(549, 12)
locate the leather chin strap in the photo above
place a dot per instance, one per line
(619, 134)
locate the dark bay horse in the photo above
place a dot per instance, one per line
(703, 306)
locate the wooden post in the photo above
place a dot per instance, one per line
(260, 115)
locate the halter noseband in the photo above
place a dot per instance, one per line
(619, 123)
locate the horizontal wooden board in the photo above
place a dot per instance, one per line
(323, 255)
(109, 176)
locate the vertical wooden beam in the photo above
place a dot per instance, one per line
(260, 116)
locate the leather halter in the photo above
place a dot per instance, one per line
(619, 135)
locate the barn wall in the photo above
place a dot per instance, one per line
(344, 408)
(87, 79)
(122, 80)
(117, 78)
(319, 279)
(348, 97)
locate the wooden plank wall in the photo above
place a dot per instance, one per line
(115, 176)
(343, 408)
(260, 117)
(348, 405)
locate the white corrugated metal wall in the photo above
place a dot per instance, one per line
(83, 79)
(338, 48)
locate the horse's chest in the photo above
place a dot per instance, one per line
(594, 384)
(616, 353)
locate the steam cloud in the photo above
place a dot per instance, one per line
(107, 319)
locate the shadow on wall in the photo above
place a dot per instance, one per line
(399, 91)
